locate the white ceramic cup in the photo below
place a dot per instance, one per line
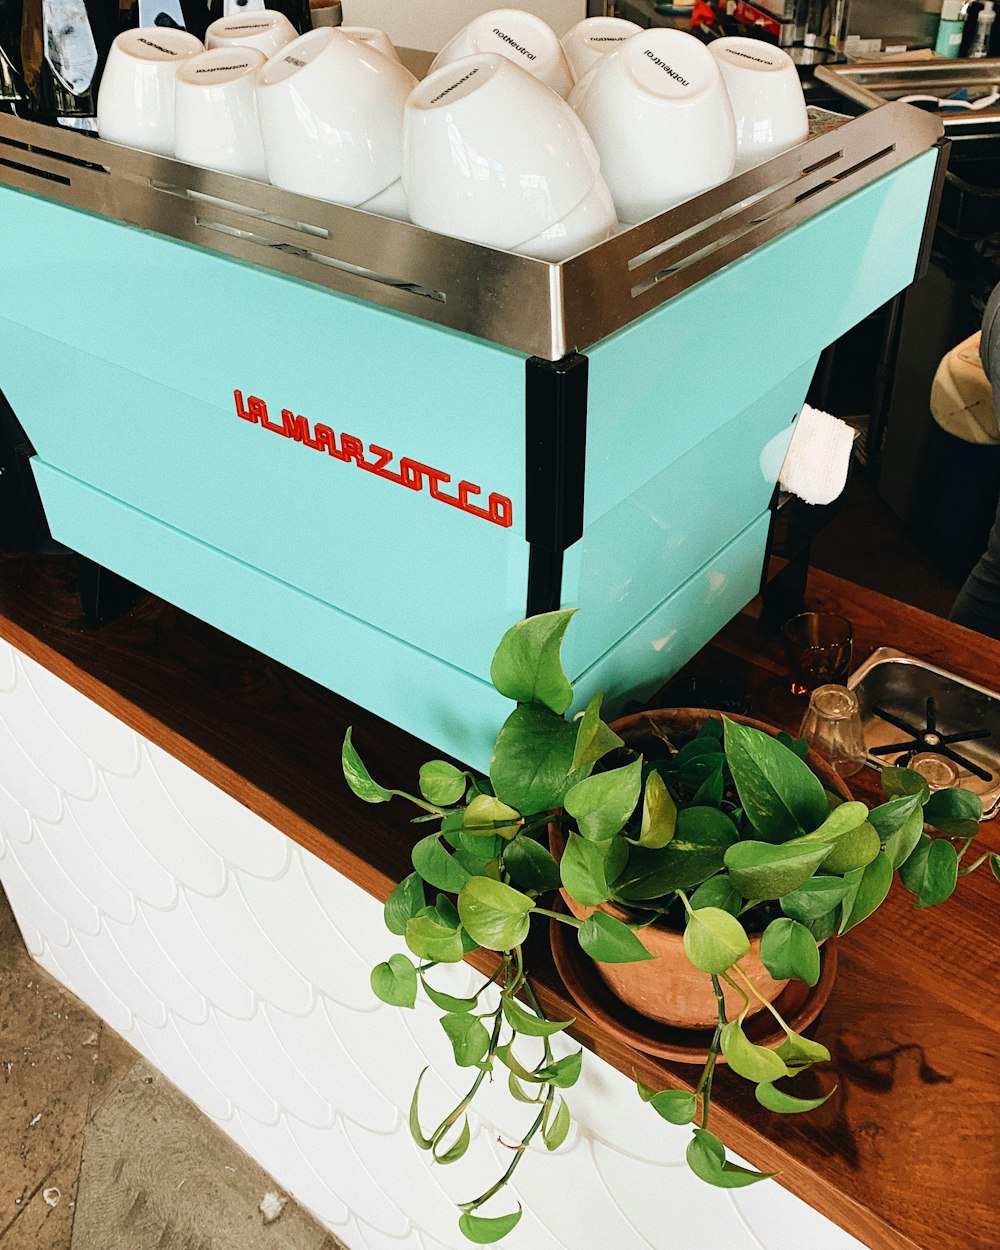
(266, 30)
(469, 172)
(135, 103)
(331, 117)
(521, 37)
(374, 37)
(215, 112)
(591, 222)
(593, 39)
(661, 120)
(766, 96)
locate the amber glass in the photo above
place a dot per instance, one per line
(818, 646)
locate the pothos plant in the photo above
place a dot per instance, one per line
(728, 835)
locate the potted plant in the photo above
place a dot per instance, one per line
(724, 835)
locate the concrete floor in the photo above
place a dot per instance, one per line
(98, 1151)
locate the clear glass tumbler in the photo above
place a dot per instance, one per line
(832, 727)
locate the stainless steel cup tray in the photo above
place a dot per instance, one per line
(879, 82)
(529, 305)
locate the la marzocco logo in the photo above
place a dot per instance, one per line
(667, 69)
(376, 460)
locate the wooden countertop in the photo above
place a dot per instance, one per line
(907, 1152)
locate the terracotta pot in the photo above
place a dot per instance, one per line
(670, 989)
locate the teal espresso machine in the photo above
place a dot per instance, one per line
(366, 449)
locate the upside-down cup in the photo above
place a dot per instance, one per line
(267, 30)
(135, 103)
(767, 99)
(331, 118)
(468, 172)
(216, 122)
(661, 120)
(522, 37)
(374, 37)
(593, 39)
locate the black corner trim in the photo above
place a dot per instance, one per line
(555, 453)
(943, 146)
(23, 526)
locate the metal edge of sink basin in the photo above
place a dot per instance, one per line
(988, 758)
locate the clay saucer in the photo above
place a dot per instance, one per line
(798, 1005)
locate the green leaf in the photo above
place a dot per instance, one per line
(587, 867)
(441, 783)
(531, 866)
(756, 1063)
(458, 1147)
(856, 849)
(714, 940)
(527, 666)
(931, 872)
(429, 940)
(762, 870)
(706, 1158)
(437, 866)
(532, 764)
(817, 897)
(659, 814)
(468, 1036)
(406, 900)
(898, 782)
(487, 817)
(788, 950)
(995, 866)
(899, 824)
(519, 1093)
(358, 777)
(564, 1073)
(787, 1104)
(824, 927)
(507, 1057)
(712, 790)
(593, 738)
(414, 1122)
(528, 1023)
(495, 915)
(601, 804)
(554, 1130)
(955, 812)
(677, 1106)
(844, 819)
(779, 794)
(868, 889)
(696, 853)
(798, 746)
(798, 1052)
(485, 1231)
(717, 892)
(448, 1002)
(395, 981)
(610, 941)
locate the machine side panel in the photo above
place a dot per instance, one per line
(663, 384)
(633, 555)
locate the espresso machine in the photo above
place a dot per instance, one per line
(366, 449)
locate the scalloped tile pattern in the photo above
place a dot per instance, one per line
(238, 963)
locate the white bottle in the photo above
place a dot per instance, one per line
(984, 30)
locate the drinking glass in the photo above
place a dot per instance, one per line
(832, 727)
(818, 646)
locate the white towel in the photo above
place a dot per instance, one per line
(818, 457)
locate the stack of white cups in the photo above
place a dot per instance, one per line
(515, 140)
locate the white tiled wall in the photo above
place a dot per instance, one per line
(238, 963)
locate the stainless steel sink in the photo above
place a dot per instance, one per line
(955, 724)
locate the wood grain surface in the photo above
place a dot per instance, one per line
(905, 1155)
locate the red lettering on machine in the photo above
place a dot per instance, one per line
(374, 459)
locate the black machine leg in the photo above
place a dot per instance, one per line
(555, 469)
(104, 595)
